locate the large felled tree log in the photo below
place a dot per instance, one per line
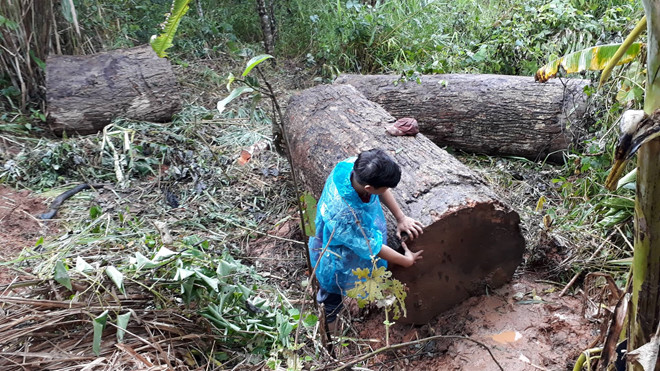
(471, 238)
(488, 114)
(85, 92)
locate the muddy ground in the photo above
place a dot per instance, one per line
(20, 226)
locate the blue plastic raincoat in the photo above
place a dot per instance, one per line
(348, 249)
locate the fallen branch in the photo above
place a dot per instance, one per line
(402, 345)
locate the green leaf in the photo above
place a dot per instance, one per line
(69, 13)
(612, 220)
(6, 22)
(624, 261)
(116, 276)
(628, 178)
(634, 34)
(212, 282)
(593, 59)
(164, 41)
(164, 253)
(233, 95)
(62, 276)
(182, 274)
(310, 320)
(122, 324)
(226, 268)
(618, 203)
(230, 80)
(254, 62)
(142, 261)
(99, 325)
(37, 60)
(309, 213)
(83, 266)
(95, 211)
(361, 273)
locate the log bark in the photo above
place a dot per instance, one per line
(486, 114)
(472, 239)
(86, 92)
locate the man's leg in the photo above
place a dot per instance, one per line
(332, 305)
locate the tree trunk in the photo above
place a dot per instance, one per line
(644, 315)
(471, 239)
(488, 114)
(265, 12)
(85, 92)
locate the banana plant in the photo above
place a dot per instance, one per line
(643, 315)
(598, 58)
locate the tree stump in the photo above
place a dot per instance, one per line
(487, 114)
(85, 92)
(471, 240)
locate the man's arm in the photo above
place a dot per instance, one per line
(404, 223)
(406, 260)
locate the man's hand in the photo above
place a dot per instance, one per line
(409, 225)
(412, 257)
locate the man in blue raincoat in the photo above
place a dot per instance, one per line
(351, 228)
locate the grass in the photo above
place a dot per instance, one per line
(505, 37)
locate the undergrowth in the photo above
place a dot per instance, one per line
(178, 228)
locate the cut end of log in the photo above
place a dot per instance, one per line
(465, 253)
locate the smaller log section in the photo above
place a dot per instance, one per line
(487, 114)
(85, 92)
(471, 239)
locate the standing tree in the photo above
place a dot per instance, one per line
(25, 32)
(265, 9)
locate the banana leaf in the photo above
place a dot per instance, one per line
(591, 59)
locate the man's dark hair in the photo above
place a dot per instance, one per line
(375, 168)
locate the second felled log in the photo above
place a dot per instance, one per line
(471, 240)
(487, 114)
(85, 92)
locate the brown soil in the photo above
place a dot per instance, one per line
(19, 225)
(526, 325)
